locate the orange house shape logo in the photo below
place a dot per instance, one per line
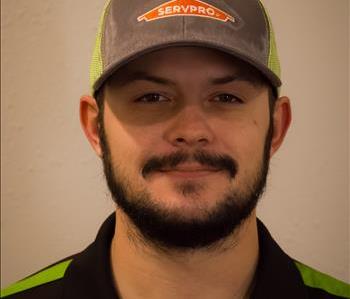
(186, 8)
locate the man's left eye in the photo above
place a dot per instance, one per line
(227, 98)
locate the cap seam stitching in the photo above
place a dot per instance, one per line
(103, 52)
(269, 32)
(183, 27)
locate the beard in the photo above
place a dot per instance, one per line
(167, 229)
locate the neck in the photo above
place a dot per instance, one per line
(227, 271)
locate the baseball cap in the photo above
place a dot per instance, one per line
(131, 28)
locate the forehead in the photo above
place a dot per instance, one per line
(180, 62)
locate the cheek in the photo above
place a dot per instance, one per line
(246, 140)
(129, 145)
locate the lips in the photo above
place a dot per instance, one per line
(189, 171)
(195, 164)
(190, 168)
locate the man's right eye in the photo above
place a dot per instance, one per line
(152, 98)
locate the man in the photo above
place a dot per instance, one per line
(185, 114)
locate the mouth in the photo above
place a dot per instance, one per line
(183, 164)
(190, 171)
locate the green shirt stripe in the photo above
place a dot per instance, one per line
(48, 275)
(316, 279)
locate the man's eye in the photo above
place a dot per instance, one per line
(152, 98)
(227, 98)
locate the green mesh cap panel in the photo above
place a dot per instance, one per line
(96, 66)
(273, 60)
(274, 63)
(316, 279)
(48, 275)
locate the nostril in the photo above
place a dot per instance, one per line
(182, 140)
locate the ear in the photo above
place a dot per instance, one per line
(282, 118)
(89, 122)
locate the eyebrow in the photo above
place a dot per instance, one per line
(225, 79)
(140, 76)
(144, 76)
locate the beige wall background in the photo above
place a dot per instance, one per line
(53, 195)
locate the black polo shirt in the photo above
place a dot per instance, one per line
(88, 275)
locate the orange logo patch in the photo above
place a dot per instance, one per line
(186, 8)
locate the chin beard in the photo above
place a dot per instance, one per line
(167, 230)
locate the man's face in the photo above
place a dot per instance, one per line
(185, 141)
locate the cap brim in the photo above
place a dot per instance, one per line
(113, 67)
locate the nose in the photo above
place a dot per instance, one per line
(189, 129)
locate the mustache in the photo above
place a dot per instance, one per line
(217, 161)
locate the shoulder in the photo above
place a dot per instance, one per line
(278, 273)
(86, 274)
(320, 285)
(47, 283)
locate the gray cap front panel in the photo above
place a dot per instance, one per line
(247, 36)
(125, 37)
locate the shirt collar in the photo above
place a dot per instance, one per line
(276, 275)
(90, 273)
